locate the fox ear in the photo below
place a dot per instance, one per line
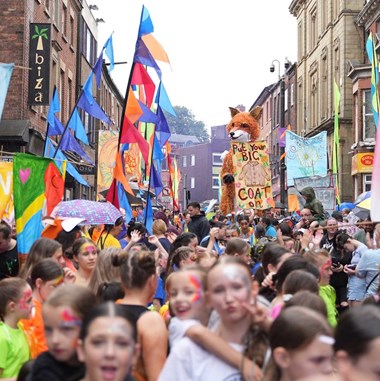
(234, 111)
(256, 112)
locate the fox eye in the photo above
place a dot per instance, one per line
(244, 125)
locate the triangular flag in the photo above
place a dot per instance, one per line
(77, 126)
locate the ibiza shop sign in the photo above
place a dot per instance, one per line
(39, 63)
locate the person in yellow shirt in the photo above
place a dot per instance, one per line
(108, 236)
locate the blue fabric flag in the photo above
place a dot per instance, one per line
(77, 126)
(87, 89)
(93, 109)
(68, 143)
(148, 115)
(158, 155)
(6, 71)
(108, 46)
(148, 214)
(53, 108)
(155, 181)
(146, 25)
(49, 152)
(162, 127)
(56, 128)
(123, 201)
(97, 69)
(162, 100)
(143, 56)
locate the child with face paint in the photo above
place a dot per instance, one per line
(63, 313)
(15, 304)
(45, 277)
(302, 345)
(226, 352)
(85, 254)
(108, 343)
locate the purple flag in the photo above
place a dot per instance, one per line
(93, 109)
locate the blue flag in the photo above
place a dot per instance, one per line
(6, 71)
(77, 126)
(68, 143)
(163, 100)
(123, 201)
(56, 128)
(60, 157)
(54, 107)
(93, 109)
(108, 46)
(146, 25)
(148, 214)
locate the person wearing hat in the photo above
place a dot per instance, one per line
(312, 203)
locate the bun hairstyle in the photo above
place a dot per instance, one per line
(135, 226)
(136, 266)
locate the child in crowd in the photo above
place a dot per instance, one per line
(240, 248)
(187, 290)
(15, 304)
(44, 278)
(63, 312)
(302, 345)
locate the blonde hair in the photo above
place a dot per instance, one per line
(159, 227)
(104, 271)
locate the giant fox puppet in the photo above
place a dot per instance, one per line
(243, 127)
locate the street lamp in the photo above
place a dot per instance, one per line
(281, 123)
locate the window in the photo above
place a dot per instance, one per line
(192, 182)
(369, 129)
(367, 179)
(292, 94)
(215, 182)
(184, 161)
(217, 159)
(64, 20)
(192, 160)
(72, 31)
(313, 28)
(56, 12)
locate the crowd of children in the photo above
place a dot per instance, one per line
(239, 298)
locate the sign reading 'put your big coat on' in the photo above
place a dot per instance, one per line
(39, 63)
(252, 175)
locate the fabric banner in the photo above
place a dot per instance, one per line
(38, 188)
(6, 192)
(6, 71)
(253, 184)
(305, 156)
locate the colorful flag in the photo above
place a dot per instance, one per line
(38, 187)
(6, 71)
(336, 139)
(375, 184)
(371, 52)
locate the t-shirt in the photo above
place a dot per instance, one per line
(188, 362)
(107, 240)
(34, 330)
(9, 265)
(327, 293)
(14, 350)
(178, 328)
(368, 267)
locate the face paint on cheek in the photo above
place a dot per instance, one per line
(198, 287)
(24, 302)
(69, 319)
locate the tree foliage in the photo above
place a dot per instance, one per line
(184, 123)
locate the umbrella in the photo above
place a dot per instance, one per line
(93, 212)
(345, 205)
(362, 196)
(366, 204)
(361, 213)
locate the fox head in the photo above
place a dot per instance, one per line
(244, 126)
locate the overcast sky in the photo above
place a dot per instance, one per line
(220, 50)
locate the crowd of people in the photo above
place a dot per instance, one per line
(245, 296)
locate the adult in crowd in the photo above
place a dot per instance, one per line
(213, 241)
(199, 224)
(9, 264)
(305, 220)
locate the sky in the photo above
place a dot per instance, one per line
(220, 51)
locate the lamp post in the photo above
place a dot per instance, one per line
(281, 82)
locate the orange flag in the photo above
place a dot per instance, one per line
(118, 174)
(155, 48)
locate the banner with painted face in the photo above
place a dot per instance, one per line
(253, 184)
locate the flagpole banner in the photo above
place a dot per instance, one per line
(305, 156)
(6, 191)
(38, 187)
(252, 175)
(6, 71)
